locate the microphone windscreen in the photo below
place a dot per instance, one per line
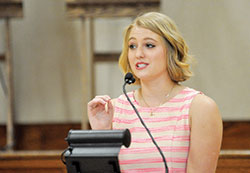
(128, 75)
(129, 78)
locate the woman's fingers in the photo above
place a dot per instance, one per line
(99, 112)
(98, 101)
(110, 107)
(104, 97)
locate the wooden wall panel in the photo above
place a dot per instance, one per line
(40, 136)
(236, 136)
(3, 136)
(2, 57)
(43, 137)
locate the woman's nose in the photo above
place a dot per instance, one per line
(139, 52)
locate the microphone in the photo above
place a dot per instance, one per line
(129, 79)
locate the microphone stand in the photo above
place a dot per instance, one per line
(142, 122)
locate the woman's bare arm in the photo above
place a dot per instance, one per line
(206, 135)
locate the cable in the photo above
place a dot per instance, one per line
(142, 122)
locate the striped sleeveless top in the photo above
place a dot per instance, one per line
(169, 126)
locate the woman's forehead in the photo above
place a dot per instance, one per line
(140, 32)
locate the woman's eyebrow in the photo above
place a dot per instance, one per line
(149, 38)
(131, 38)
(146, 38)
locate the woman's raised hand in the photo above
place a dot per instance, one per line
(100, 112)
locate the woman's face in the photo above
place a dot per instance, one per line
(147, 54)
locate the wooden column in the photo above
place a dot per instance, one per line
(87, 64)
(10, 9)
(10, 88)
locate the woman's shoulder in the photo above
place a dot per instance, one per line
(190, 91)
(184, 93)
(204, 110)
(202, 101)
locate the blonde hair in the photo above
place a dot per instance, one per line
(178, 57)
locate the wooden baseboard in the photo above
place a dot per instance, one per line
(51, 136)
(230, 161)
(35, 161)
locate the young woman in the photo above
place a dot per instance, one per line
(185, 123)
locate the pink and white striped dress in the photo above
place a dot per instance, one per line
(169, 126)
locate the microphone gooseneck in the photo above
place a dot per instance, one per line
(129, 79)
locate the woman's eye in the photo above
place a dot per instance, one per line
(132, 46)
(150, 45)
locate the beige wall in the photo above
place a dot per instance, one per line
(219, 38)
(48, 65)
(218, 35)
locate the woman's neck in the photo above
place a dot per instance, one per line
(154, 92)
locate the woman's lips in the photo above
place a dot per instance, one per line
(141, 65)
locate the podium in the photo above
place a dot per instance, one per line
(94, 151)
